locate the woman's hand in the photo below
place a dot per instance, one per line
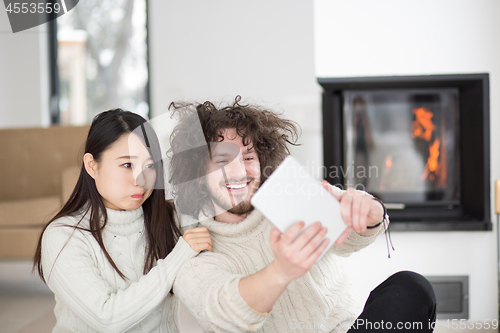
(198, 238)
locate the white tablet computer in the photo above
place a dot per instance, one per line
(291, 195)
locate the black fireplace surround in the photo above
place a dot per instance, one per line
(462, 198)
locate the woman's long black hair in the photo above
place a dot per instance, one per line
(161, 230)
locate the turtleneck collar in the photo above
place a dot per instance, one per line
(251, 222)
(122, 217)
(123, 222)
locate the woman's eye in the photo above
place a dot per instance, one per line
(221, 162)
(127, 165)
(249, 159)
(150, 166)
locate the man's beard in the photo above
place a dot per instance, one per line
(242, 207)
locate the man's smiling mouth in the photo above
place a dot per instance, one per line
(237, 186)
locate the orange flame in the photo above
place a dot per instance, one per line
(388, 165)
(432, 161)
(432, 166)
(388, 162)
(422, 127)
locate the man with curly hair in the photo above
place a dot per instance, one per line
(257, 279)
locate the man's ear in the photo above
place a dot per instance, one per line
(90, 164)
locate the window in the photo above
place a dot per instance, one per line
(99, 60)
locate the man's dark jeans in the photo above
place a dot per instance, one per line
(405, 302)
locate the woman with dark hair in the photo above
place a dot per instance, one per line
(111, 254)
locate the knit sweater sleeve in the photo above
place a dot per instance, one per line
(72, 273)
(210, 291)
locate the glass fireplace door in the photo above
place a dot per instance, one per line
(402, 145)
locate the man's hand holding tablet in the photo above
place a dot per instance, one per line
(304, 212)
(359, 210)
(292, 195)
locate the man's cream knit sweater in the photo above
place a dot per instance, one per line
(208, 284)
(91, 296)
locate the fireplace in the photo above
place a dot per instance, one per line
(419, 143)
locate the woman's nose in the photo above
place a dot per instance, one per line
(140, 180)
(146, 178)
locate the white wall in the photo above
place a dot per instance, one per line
(24, 81)
(214, 50)
(391, 37)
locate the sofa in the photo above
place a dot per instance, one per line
(39, 168)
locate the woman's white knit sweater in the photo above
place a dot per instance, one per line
(91, 296)
(320, 301)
